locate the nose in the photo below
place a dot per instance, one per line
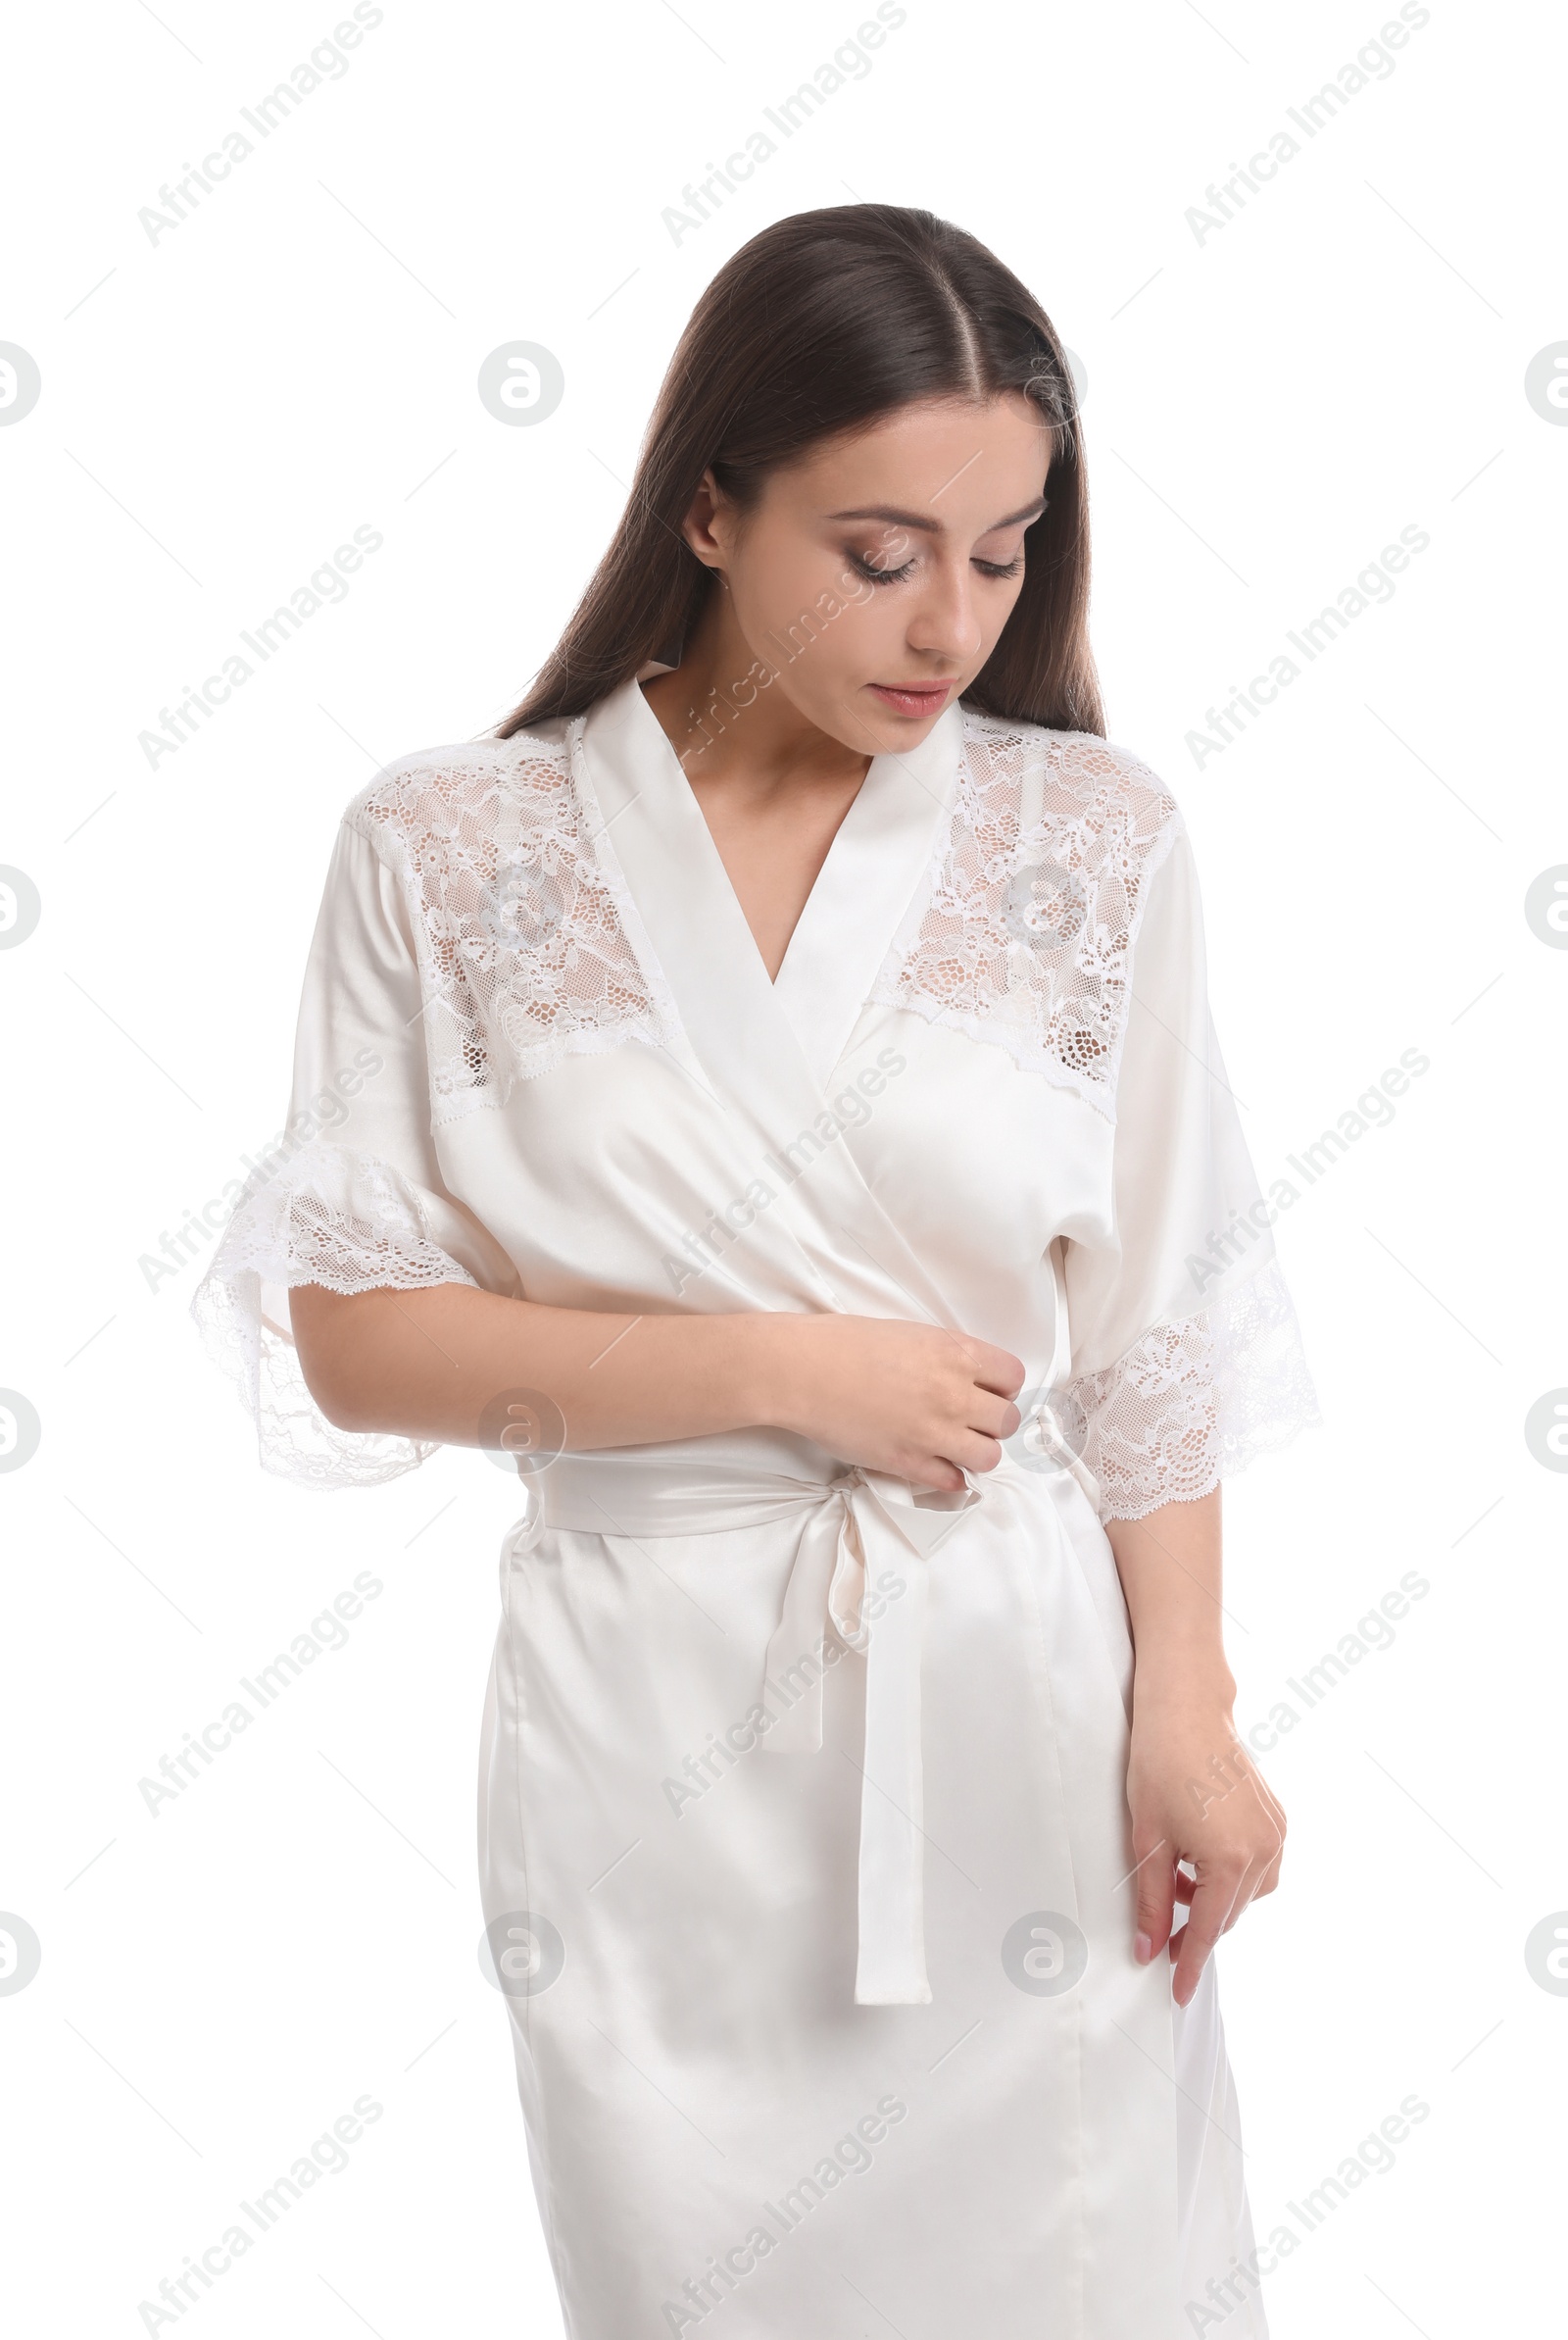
(945, 623)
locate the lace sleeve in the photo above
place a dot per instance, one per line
(326, 1216)
(1186, 1356)
(352, 1195)
(1194, 1401)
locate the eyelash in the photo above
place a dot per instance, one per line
(893, 577)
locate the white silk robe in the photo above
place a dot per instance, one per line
(804, 1837)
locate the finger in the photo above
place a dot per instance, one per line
(1246, 1895)
(1228, 1895)
(974, 1451)
(997, 1416)
(1268, 1799)
(1269, 1845)
(931, 1470)
(995, 1369)
(1268, 1803)
(1157, 1889)
(1267, 1873)
(1213, 1899)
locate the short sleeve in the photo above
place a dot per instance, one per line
(1186, 1355)
(350, 1194)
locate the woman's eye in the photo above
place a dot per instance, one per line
(878, 576)
(892, 576)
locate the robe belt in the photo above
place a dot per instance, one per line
(859, 1582)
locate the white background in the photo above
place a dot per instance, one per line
(1266, 409)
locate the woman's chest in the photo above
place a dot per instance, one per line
(630, 1171)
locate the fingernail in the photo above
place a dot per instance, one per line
(1144, 1949)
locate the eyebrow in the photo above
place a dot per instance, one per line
(933, 527)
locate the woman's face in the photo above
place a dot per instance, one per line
(871, 579)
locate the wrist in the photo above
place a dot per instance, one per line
(763, 1368)
(1189, 1677)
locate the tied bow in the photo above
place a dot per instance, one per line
(859, 1582)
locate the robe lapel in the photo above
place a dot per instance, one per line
(881, 853)
(765, 1049)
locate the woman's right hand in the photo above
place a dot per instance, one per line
(911, 1400)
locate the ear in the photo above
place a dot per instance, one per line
(708, 506)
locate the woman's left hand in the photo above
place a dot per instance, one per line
(1197, 1797)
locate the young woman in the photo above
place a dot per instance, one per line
(769, 1088)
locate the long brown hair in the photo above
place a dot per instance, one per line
(822, 322)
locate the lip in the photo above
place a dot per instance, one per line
(916, 699)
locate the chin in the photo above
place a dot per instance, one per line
(895, 730)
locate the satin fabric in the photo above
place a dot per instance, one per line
(697, 2070)
(792, 2071)
(804, 1837)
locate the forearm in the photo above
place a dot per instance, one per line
(428, 1364)
(1205, 1828)
(912, 1400)
(1169, 1564)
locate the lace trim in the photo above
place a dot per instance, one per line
(327, 1216)
(1028, 932)
(1195, 1402)
(520, 925)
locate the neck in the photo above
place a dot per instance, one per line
(725, 724)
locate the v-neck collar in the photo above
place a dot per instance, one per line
(879, 854)
(766, 1053)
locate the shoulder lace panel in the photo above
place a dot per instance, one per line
(519, 924)
(1028, 933)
